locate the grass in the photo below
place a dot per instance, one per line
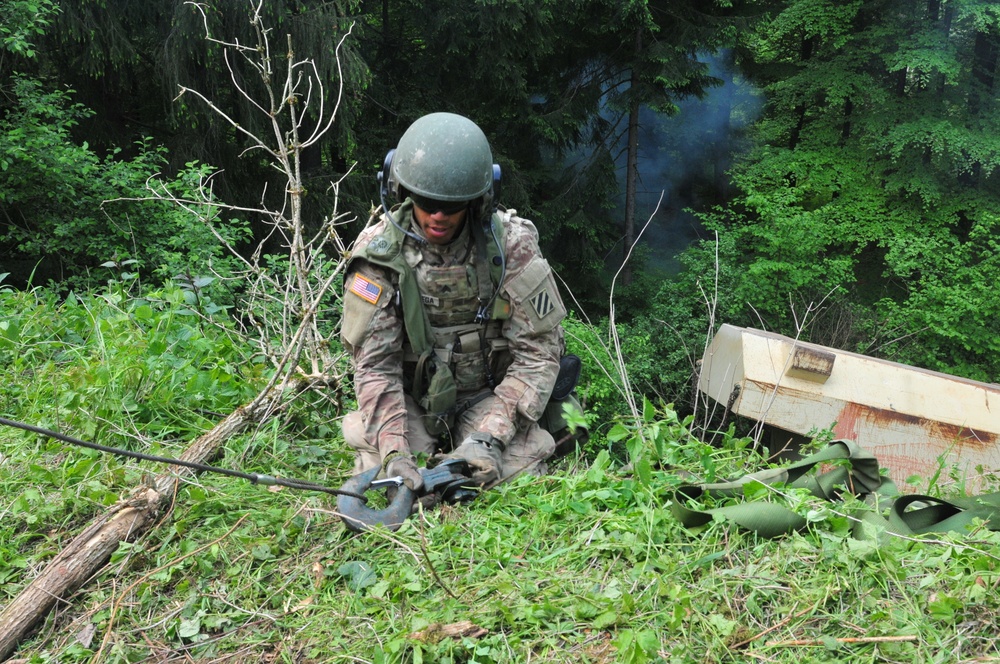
(585, 565)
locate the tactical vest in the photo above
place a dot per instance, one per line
(452, 315)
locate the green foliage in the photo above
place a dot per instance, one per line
(71, 212)
(587, 560)
(127, 60)
(24, 20)
(600, 386)
(956, 306)
(868, 208)
(113, 364)
(142, 373)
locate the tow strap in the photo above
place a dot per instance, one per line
(855, 471)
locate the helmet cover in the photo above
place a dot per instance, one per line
(443, 157)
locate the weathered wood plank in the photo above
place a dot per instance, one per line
(912, 419)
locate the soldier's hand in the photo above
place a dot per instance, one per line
(403, 465)
(483, 452)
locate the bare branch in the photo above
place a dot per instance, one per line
(281, 306)
(619, 357)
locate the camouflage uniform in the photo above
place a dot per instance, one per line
(525, 347)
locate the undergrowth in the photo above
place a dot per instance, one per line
(586, 564)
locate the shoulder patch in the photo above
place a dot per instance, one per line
(534, 290)
(365, 288)
(381, 247)
(542, 303)
(364, 296)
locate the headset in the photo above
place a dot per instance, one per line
(385, 182)
(385, 175)
(387, 185)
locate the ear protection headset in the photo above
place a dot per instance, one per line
(385, 183)
(388, 185)
(384, 176)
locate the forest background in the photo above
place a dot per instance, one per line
(863, 191)
(856, 207)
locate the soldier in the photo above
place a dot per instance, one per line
(451, 315)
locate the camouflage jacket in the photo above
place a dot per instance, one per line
(529, 336)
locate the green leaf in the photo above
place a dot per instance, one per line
(618, 432)
(723, 625)
(648, 410)
(831, 643)
(605, 620)
(755, 489)
(262, 552)
(648, 641)
(359, 574)
(644, 471)
(189, 627)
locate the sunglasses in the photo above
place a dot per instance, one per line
(433, 207)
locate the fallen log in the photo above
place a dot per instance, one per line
(125, 521)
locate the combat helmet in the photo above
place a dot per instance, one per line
(442, 157)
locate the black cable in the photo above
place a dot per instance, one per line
(267, 480)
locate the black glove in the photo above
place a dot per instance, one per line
(402, 465)
(483, 452)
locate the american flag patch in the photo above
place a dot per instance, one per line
(365, 288)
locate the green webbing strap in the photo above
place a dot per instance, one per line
(858, 472)
(937, 515)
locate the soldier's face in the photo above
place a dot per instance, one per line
(439, 226)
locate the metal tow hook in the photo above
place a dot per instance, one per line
(357, 516)
(450, 480)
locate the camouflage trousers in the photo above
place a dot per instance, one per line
(526, 453)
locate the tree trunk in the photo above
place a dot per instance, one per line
(126, 521)
(800, 110)
(721, 151)
(986, 54)
(944, 21)
(984, 68)
(845, 128)
(631, 169)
